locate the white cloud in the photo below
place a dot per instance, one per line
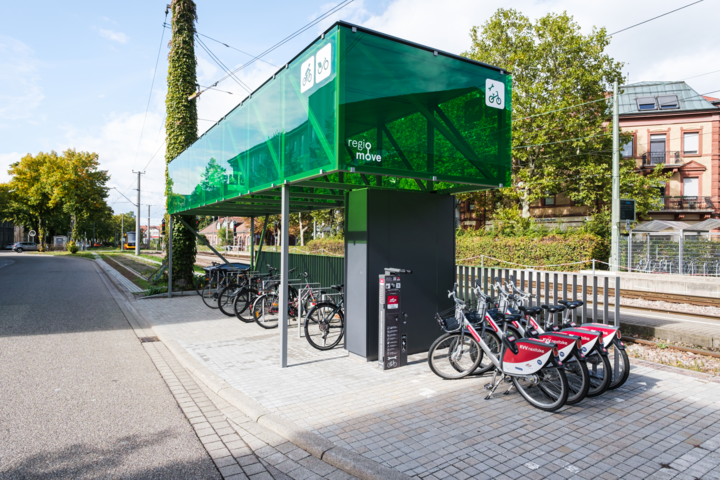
(20, 92)
(674, 47)
(5, 160)
(116, 143)
(113, 35)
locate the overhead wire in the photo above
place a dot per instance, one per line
(655, 18)
(152, 84)
(230, 46)
(222, 66)
(282, 42)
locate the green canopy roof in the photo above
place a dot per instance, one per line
(355, 109)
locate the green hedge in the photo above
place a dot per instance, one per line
(533, 251)
(333, 245)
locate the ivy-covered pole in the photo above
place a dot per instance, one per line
(181, 123)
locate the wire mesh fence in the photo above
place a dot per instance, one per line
(674, 253)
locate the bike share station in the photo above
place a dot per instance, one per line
(386, 129)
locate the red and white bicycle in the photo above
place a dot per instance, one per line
(607, 355)
(531, 366)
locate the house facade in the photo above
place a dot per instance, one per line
(238, 231)
(671, 125)
(674, 126)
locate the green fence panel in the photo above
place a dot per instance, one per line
(323, 270)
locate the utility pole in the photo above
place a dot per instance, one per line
(615, 246)
(94, 241)
(148, 229)
(137, 218)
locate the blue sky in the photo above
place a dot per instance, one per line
(78, 74)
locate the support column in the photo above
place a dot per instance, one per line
(284, 257)
(169, 253)
(252, 243)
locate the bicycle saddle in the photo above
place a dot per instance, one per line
(504, 317)
(573, 304)
(553, 308)
(530, 310)
(339, 288)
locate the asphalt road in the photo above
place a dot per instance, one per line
(79, 397)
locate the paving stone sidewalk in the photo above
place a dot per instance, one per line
(663, 423)
(240, 448)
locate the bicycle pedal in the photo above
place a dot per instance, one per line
(488, 386)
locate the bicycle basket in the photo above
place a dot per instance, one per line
(447, 320)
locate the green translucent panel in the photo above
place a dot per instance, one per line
(408, 112)
(285, 131)
(356, 108)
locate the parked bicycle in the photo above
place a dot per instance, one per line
(610, 347)
(532, 366)
(325, 323)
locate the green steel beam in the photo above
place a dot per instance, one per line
(402, 156)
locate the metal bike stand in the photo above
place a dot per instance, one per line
(323, 298)
(300, 306)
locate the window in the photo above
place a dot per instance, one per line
(628, 149)
(690, 187)
(668, 102)
(549, 201)
(646, 103)
(691, 143)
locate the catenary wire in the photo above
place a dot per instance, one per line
(230, 46)
(307, 26)
(655, 18)
(152, 84)
(221, 65)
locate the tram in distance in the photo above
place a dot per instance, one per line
(129, 243)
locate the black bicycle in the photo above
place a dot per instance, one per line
(325, 323)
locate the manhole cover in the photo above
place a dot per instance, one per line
(149, 339)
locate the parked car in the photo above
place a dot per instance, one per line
(22, 246)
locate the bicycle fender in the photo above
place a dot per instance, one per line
(565, 342)
(532, 356)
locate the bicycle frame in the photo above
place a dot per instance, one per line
(527, 361)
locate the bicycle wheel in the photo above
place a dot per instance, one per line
(578, 378)
(600, 373)
(546, 389)
(200, 284)
(243, 303)
(454, 356)
(324, 326)
(620, 363)
(492, 340)
(226, 298)
(265, 310)
(209, 294)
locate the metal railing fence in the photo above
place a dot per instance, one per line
(595, 291)
(675, 253)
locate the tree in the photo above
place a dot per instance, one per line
(79, 188)
(31, 192)
(181, 123)
(561, 79)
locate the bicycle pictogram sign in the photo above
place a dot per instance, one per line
(494, 94)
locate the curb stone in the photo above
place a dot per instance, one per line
(318, 446)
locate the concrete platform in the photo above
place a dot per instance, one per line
(428, 428)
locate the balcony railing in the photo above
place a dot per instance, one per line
(667, 158)
(688, 203)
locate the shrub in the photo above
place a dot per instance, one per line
(334, 245)
(533, 251)
(72, 247)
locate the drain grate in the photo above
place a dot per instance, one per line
(149, 339)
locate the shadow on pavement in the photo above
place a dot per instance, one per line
(122, 459)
